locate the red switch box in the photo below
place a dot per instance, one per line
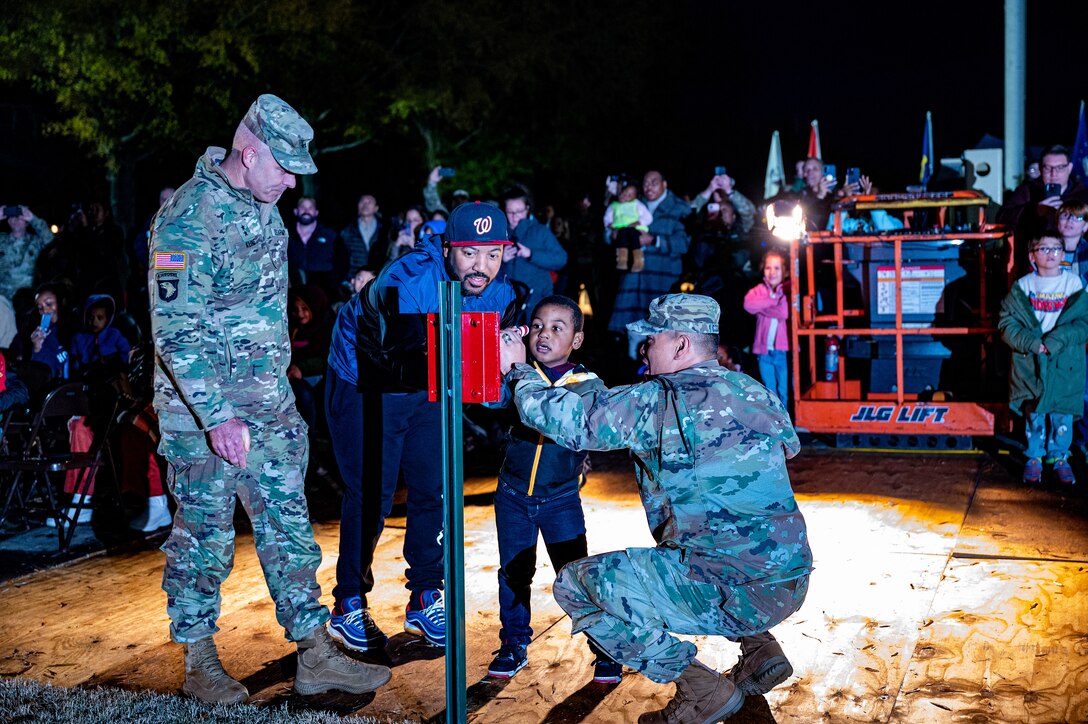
(481, 380)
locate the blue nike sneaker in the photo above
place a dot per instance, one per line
(425, 615)
(352, 626)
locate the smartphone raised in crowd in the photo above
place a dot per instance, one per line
(719, 170)
(446, 172)
(1051, 190)
(853, 175)
(12, 212)
(46, 319)
(830, 173)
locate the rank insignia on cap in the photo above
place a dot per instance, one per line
(169, 260)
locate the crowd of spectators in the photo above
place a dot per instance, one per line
(74, 297)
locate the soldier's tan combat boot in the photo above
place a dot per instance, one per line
(205, 678)
(702, 697)
(762, 666)
(323, 667)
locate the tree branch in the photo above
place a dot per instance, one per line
(467, 138)
(341, 147)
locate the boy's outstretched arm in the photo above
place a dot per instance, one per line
(602, 419)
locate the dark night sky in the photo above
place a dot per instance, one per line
(868, 72)
(726, 75)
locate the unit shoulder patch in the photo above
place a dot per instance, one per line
(170, 286)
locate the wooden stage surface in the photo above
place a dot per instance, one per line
(943, 592)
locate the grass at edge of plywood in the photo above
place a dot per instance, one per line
(26, 700)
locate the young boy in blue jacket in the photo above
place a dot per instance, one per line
(537, 492)
(98, 349)
(100, 343)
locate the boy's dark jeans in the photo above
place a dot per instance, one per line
(520, 520)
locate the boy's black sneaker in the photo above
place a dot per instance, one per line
(511, 660)
(606, 671)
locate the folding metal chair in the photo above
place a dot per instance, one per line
(45, 451)
(14, 427)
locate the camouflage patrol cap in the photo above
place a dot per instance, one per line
(287, 133)
(692, 313)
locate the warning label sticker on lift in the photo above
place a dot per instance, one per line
(923, 287)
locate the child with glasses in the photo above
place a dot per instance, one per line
(1044, 319)
(1073, 227)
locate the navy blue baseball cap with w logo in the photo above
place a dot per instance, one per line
(475, 224)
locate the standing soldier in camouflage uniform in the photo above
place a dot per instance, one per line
(732, 557)
(218, 283)
(19, 249)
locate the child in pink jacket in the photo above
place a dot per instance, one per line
(769, 301)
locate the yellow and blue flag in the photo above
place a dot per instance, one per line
(927, 152)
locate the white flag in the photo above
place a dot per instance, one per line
(775, 180)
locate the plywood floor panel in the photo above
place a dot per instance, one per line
(1008, 519)
(895, 627)
(1008, 643)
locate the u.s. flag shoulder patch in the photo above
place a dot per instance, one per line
(174, 260)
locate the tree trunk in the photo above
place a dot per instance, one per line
(122, 183)
(431, 144)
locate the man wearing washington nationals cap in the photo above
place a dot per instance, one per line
(376, 393)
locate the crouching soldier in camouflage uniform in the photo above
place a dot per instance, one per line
(218, 281)
(732, 557)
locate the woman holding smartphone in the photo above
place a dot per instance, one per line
(402, 238)
(47, 336)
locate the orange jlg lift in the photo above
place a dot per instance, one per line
(836, 402)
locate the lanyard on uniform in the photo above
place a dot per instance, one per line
(684, 422)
